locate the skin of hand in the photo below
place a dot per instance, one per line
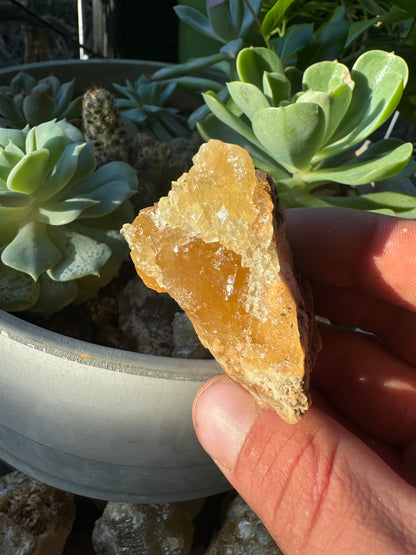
(342, 480)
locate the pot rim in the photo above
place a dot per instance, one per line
(100, 356)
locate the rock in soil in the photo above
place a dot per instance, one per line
(148, 529)
(35, 519)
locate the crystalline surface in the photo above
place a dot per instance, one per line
(216, 245)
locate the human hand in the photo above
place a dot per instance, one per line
(343, 479)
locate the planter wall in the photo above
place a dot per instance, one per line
(97, 421)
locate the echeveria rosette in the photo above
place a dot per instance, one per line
(29, 101)
(311, 132)
(59, 217)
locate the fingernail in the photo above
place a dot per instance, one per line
(224, 414)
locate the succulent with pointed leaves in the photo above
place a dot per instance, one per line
(28, 101)
(59, 217)
(144, 104)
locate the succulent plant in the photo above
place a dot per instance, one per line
(59, 217)
(28, 101)
(103, 124)
(310, 131)
(144, 104)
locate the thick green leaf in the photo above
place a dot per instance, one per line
(54, 295)
(62, 174)
(10, 111)
(274, 17)
(31, 251)
(392, 200)
(38, 107)
(196, 20)
(379, 79)
(291, 134)
(379, 162)
(248, 97)
(212, 128)
(276, 87)
(334, 105)
(253, 62)
(18, 291)
(63, 213)
(295, 39)
(326, 76)
(221, 22)
(29, 173)
(82, 255)
(112, 172)
(16, 136)
(357, 28)
(196, 64)
(230, 119)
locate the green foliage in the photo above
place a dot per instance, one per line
(144, 104)
(311, 137)
(59, 218)
(28, 101)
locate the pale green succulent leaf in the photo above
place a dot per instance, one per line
(196, 64)
(253, 62)
(9, 157)
(230, 119)
(112, 172)
(276, 87)
(391, 200)
(72, 133)
(31, 251)
(248, 97)
(38, 107)
(326, 76)
(18, 291)
(334, 104)
(86, 164)
(379, 79)
(15, 136)
(300, 130)
(381, 161)
(107, 198)
(28, 174)
(63, 171)
(63, 213)
(82, 255)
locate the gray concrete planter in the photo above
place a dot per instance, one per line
(97, 421)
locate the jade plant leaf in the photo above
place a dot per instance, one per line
(381, 161)
(253, 62)
(248, 97)
(300, 130)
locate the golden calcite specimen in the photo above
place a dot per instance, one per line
(217, 245)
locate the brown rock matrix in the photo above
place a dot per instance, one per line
(217, 245)
(35, 519)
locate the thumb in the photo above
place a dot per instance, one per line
(316, 487)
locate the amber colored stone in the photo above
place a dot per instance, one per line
(216, 244)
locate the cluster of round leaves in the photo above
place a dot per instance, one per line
(308, 130)
(59, 217)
